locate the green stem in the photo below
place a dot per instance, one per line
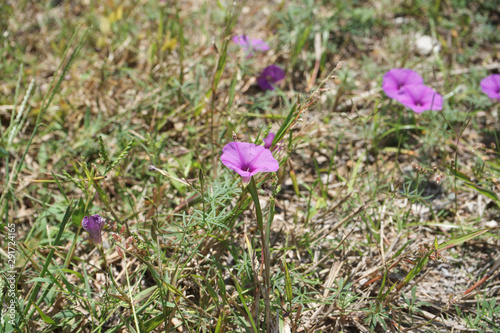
(264, 236)
(252, 188)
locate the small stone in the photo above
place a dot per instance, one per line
(401, 20)
(491, 224)
(424, 45)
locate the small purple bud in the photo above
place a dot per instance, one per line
(268, 140)
(93, 225)
(270, 77)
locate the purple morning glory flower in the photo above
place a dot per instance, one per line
(250, 44)
(490, 85)
(420, 98)
(268, 141)
(248, 159)
(270, 77)
(94, 225)
(396, 79)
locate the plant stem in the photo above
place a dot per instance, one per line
(264, 236)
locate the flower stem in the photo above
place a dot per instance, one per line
(103, 255)
(252, 188)
(264, 236)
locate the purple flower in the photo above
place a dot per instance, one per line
(94, 225)
(250, 44)
(268, 141)
(420, 98)
(270, 77)
(248, 159)
(396, 79)
(490, 85)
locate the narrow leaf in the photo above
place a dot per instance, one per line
(45, 318)
(461, 239)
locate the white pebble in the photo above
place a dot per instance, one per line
(491, 224)
(424, 45)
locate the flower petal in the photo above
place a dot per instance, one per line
(259, 45)
(490, 85)
(268, 141)
(264, 162)
(248, 159)
(395, 79)
(420, 98)
(93, 224)
(250, 44)
(270, 77)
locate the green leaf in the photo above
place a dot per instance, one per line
(220, 65)
(220, 320)
(153, 323)
(63, 314)
(39, 279)
(459, 174)
(285, 126)
(242, 299)
(293, 177)
(87, 290)
(178, 185)
(3, 152)
(100, 192)
(461, 239)
(145, 293)
(45, 318)
(79, 213)
(299, 44)
(469, 183)
(288, 282)
(488, 193)
(354, 175)
(232, 92)
(401, 128)
(418, 268)
(222, 285)
(211, 291)
(258, 211)
(78, 274)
